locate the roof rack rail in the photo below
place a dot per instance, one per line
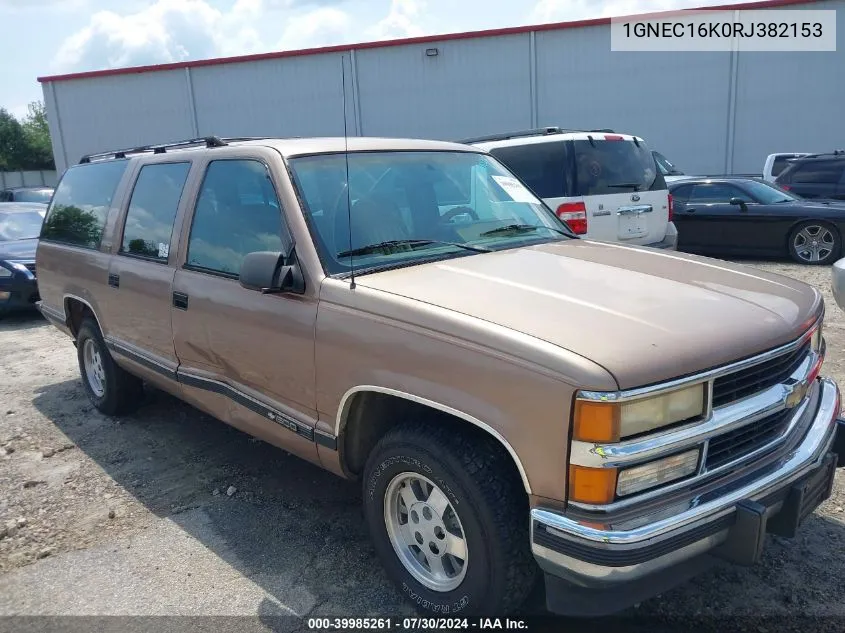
(161, 148)
(540, 131)
(836, 152)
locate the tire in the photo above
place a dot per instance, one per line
(475, 476)
(814, 242)
(112, 390)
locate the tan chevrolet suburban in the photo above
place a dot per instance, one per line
(515, 400)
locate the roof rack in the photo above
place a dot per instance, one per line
(540, 131)
(208, 141)
(836, 152)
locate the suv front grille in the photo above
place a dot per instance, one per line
(747, 382)
(746, 439)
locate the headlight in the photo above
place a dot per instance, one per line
(658, 472)
(597, 421)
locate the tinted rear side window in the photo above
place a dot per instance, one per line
(604, 167)
(237, 213)
(152, 209)
(818, 171)
(81, 204)
(541, 166)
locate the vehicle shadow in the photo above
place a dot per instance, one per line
(292, 528)
(298, 531)
(21, 321)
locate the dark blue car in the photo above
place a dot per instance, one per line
(20, 226)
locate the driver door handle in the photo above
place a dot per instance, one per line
(688, 210)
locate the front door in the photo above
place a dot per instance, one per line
(245, 356)
(706, 219)
(140, 273)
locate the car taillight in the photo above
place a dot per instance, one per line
(784, 187)
(613, 137)
(671, 207)
(575, 215)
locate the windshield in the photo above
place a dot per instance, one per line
(34, 195)
(666, 167)
(20, 225)
(767, 194)
(409, 207)
(604, 167)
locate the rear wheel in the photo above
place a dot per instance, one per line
(449, 521)
(109, 387)
(814, 242)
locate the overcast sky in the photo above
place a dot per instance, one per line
(43, 37)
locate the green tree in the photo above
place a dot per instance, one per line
(13, 143)
(25, 145)
(37, 135)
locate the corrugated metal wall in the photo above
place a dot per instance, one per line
(709, 112)
(34, 178)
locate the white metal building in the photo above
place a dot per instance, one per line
(713, 112)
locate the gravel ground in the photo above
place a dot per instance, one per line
(167, 511)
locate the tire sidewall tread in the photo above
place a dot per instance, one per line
(122, 390)
(501, 569)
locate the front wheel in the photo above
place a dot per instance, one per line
(449, 520)
(814, 242)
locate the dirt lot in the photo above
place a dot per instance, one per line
(167, 511)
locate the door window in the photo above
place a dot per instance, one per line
(716, 193)
(152, 210)
(237, 213)
(81, 203)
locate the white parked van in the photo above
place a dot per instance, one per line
(776, 163)
(604, 185)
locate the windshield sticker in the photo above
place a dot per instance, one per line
(514, 189)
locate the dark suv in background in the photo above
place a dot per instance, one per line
(816, 176)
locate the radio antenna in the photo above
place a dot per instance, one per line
(346, 161)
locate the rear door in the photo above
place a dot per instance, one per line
(142, 268)
(610, 179)
(624, 193)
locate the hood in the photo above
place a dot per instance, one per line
(18, 249)
(644, 315)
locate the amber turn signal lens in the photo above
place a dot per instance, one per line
(592, 485)
(596, 421)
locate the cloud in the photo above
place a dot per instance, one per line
(401, 21)
(564, 10)
(166, 31)
(319, 27)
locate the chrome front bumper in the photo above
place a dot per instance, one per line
(595, 555)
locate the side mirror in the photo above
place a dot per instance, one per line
(739, 202)
(270, 273)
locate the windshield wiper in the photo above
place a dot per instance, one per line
(521, 228)
(623, 185)
(374, 248)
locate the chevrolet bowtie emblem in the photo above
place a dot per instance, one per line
(796, 395)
